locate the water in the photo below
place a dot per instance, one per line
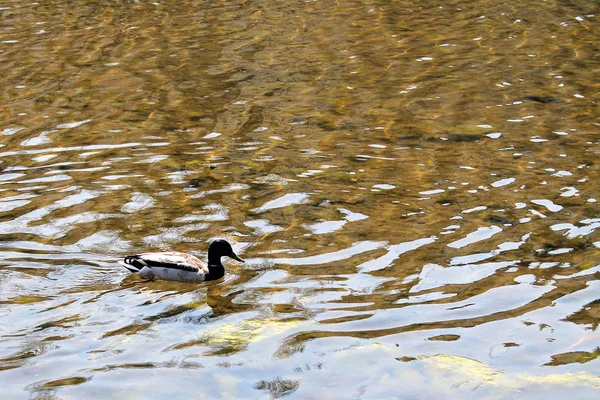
(413, 185)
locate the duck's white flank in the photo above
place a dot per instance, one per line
(171, 274)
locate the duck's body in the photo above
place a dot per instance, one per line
(172, 266)
(182, 267)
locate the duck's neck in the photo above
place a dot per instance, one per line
(213, 259)
(215, 271)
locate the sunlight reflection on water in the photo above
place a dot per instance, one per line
(413, 189)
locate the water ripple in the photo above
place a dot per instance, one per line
(412, 187)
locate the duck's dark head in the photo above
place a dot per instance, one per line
(220, 248)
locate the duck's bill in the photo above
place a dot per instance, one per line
(235, 257)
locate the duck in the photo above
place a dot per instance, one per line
(182, 267)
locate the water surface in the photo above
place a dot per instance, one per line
(413, 185)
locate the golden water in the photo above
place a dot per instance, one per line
(413, 185)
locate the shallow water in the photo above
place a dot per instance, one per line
(414, 188)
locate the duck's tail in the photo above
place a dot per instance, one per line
(132, 263)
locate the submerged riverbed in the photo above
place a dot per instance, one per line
(413, 185)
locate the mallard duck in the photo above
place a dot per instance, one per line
(182, 267)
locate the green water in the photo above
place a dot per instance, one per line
(414, 187)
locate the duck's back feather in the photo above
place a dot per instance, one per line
(167, 260)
